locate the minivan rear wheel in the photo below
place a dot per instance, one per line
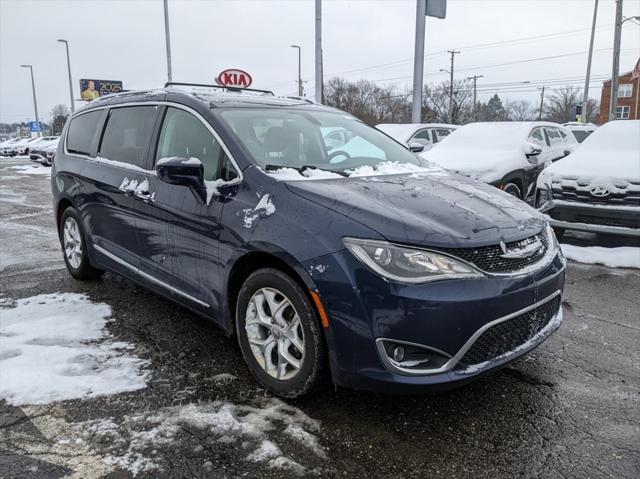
(74, 246)
(279, 334)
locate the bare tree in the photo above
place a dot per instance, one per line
(435, 103)
(520, 110)
(560, 107)
(59, 115)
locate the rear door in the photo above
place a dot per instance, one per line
(177, 230)
(557, 144)
(112, 179)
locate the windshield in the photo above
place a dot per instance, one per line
(301, 139)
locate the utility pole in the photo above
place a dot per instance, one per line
(453, 54)
(475, 80)
(66, 44)
(418, 61)
(33, 88)
(585, 97)
(616, 62)
(318, 65)
(299, 69)
(167, 38)
(541, 103)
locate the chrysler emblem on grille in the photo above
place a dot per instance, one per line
(520, 252)
(599, 191)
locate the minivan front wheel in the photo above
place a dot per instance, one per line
(279, 334)
(74, 249)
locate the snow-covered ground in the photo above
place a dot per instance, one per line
(54, 347)
(618, 257)
(33, 169)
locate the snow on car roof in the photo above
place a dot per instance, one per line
(613, 150)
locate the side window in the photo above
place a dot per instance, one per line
(82, 133)
(184, 135)
(554, 136)
(537, 137)
(422, 136)
(127, 134)
(441, 133)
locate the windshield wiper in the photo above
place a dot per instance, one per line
(302, 168)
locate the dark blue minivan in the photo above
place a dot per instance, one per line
(327, 247)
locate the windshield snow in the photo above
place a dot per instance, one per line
(307, 139)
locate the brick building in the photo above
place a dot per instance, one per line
(628, 97)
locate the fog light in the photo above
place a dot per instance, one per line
(398, 353)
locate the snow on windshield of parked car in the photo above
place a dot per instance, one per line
(613, 150)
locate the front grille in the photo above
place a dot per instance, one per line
(600, 220)
(489, 258)
(508, 335)
(621, 192)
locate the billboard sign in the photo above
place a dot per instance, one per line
(92, 89)
(234, 78)
(35, 126)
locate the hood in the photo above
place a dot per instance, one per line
(427, 209)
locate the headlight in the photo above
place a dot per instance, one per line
(408, 265)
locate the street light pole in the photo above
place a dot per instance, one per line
(167, 38)
(541, 103)
(418, 61)
(453, 54)
(299, 69)
(66, 44)
(33, 88)
(585, 96)
(318, 60)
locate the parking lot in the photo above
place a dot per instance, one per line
(569, 409)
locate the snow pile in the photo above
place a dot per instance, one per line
(382, 168)
(620, 257)
(264, 208)
(53, 347)
(258, 431)
(32, 169)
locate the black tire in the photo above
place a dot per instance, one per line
(312, 369)
(513, 189)
(84, 271)
(559, 233)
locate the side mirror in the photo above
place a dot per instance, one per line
(416, 147)
(531, 150)
(183, 171)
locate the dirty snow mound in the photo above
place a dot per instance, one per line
(54, 347)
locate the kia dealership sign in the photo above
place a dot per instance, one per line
(234, 78)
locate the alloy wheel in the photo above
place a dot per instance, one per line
(275, 334)
(72, 242)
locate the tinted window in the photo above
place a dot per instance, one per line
(422, 135)
(82, 132)
(184, 135)
(440, 133)
(580, 135)
(126, 136)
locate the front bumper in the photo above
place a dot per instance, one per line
(596, 218)
(445, 316)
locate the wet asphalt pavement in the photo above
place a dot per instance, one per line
(569, 409)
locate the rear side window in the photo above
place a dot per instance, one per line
(83, 131)
(422, 135)
(127, 134)
(184, 135)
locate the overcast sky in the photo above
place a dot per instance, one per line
(371, 39)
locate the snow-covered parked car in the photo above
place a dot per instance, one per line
(597, 188)
(507, 155)
(6, 147)
(426, 134)
(22, 148)
(580, 130)
(39, 151)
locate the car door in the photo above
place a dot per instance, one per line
(177, 229)
(110, 182)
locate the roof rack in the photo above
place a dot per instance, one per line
(220, 87)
